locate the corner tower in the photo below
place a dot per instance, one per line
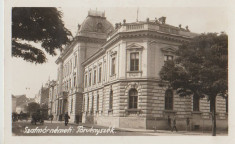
(91, 34)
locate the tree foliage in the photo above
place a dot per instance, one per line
(38, 25)
(200, 67)
(33, 107)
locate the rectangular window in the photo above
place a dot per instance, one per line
(100, 73)
(168, 57)
(75, 63)
(88, 104)
(169, 100)
(94, 80)
(111, 100)
(226, 103)
(71, 104)
(134, 61)
(86, 81)
(90, 79)
(113, 66)
(97, 104)
(92, 104)
(70, 67)
(83, 104)
(196, 101)
(74, 81)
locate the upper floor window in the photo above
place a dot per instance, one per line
(75, 61)
(74, 81)
(168, 57)
(100, 73)
(169, 99)
(113, 66)
(70, 67)
(90, 79)
(70, 84)
(94, 78)
(133, 99)
(196, 101)
(86, 80)
(134, 61)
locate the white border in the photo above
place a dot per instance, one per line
(8, 138)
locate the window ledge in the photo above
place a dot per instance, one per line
(169, 111)
(133, 110)
(112, 75)
(110, 110)
(196, 112)
(134, 71)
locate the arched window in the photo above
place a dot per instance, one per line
(133, 99)
(92, 104)
(97, 104)
(88, 104)
(196, 101)
(169, 99)
(111, 100)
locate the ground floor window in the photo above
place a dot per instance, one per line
(133, 99)
(111, 100)
(196, 101)
(169, 99)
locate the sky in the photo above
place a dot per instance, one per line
(199, 19)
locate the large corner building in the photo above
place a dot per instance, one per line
(110, 76)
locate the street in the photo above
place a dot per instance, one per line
(25, 128)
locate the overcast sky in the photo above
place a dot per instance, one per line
(199, 20)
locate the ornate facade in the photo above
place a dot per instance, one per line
(117, 79)
(92, 33)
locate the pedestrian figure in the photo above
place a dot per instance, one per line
(169, 122)
(66, 118)
(174, 125)
(187, 122)
(51, 117)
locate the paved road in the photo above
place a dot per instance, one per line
(25, 128)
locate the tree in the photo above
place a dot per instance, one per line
(33, 107)
(38, 25)
(200, 69)
(44, 106)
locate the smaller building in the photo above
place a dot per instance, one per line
(20, 102)
(43, 95)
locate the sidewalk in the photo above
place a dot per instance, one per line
(151, 132)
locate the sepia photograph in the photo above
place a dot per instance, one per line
(117, 71)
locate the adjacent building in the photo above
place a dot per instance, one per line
(42, 97)
(20, 103)
(110, 76)
(53, 102)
